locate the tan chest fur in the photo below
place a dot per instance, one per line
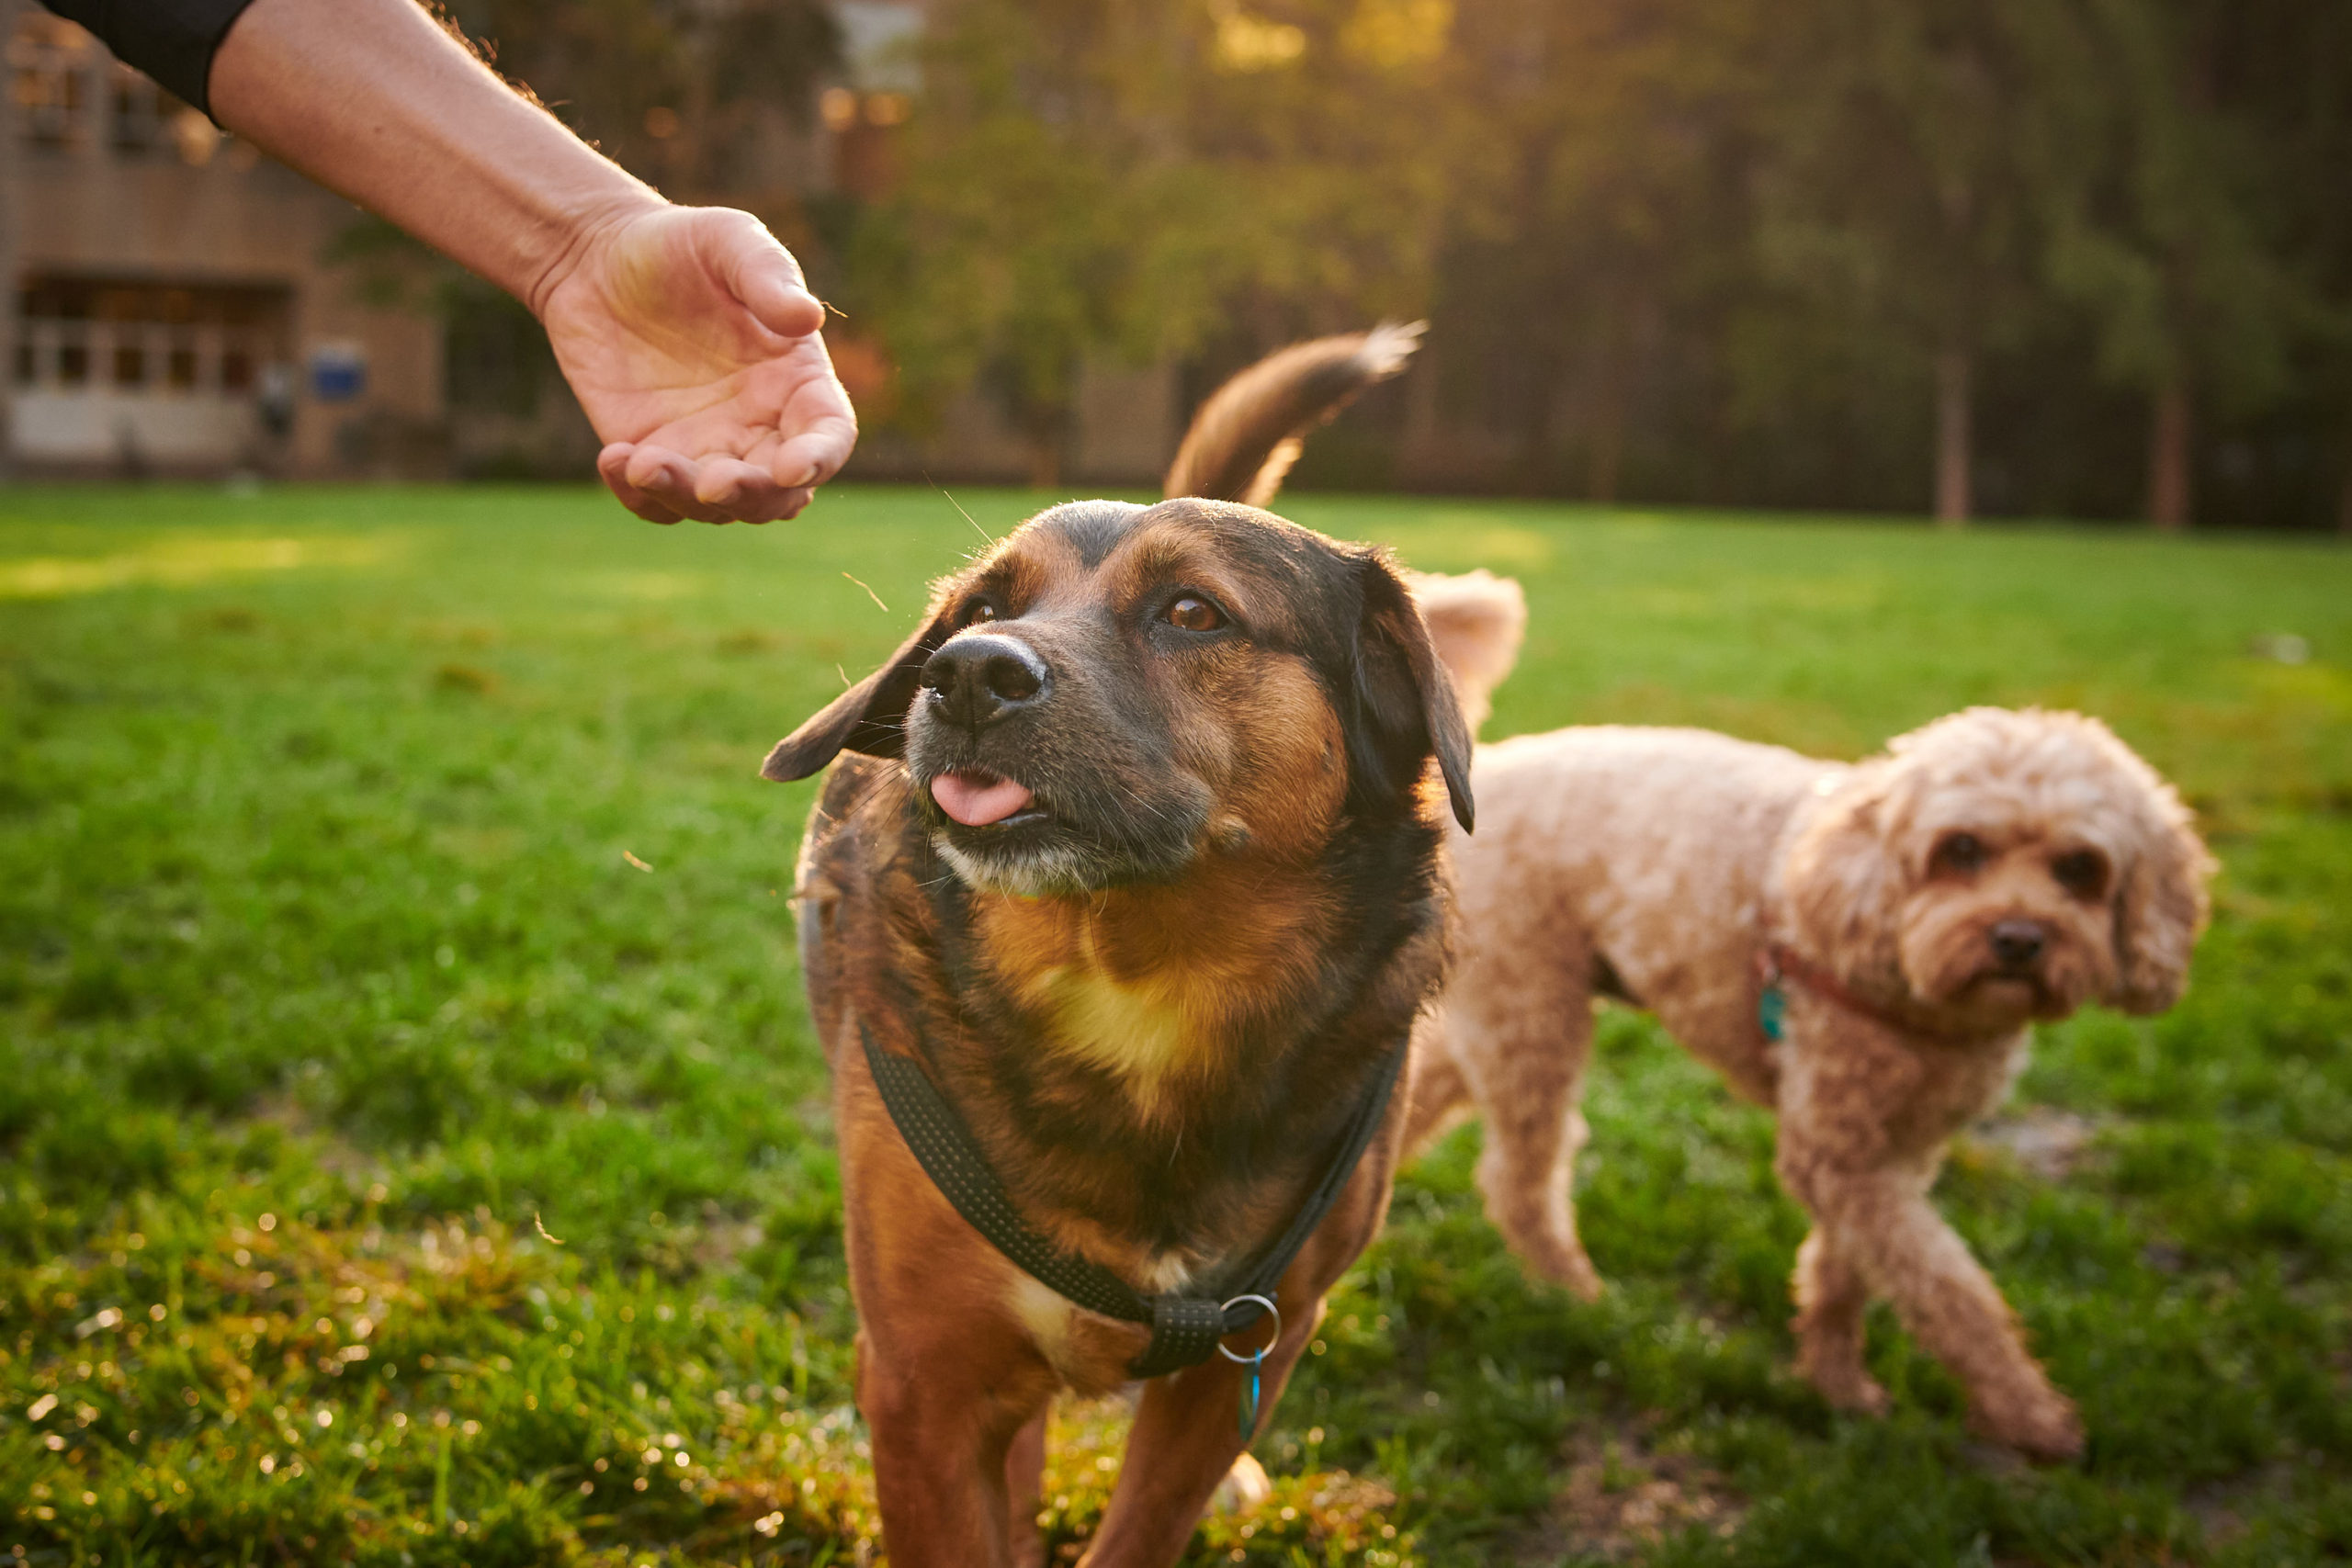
(1154, 984)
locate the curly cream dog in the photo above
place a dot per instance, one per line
(1916, 912)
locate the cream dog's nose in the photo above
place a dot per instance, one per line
(2016, 943)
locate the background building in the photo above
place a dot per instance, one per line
(171, 306)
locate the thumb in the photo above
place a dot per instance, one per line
(767, 280)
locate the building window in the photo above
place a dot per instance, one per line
(147, 340)
(51, 65)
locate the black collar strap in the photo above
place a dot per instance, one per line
(1185, 1329)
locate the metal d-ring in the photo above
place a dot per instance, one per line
(1255, 1354)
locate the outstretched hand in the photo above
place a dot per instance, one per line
(692, 341)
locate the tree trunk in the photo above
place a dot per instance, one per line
(1045, 460)
(2168, 457)
(1533, 463)
(2343, 505)
(1954, 440)
(1608, 449)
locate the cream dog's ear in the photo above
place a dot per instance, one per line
(1844, 879)
(2160, 905)
(1477, 621)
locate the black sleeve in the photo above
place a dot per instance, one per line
(172, 40)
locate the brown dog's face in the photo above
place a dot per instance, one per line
(1116, 689)
(2004, 866)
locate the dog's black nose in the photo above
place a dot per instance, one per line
(977, 677)
(2016, 943)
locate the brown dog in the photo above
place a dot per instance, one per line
(1140, 861)
(1859, 947)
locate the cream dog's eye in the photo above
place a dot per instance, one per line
(1193, 613)
(2082, 872)
(1960, 854)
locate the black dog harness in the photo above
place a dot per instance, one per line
(1185, 1329)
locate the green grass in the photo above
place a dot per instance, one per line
(392, 1170)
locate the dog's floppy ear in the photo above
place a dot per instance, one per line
(2159, 908)
(1405, 707)
(871, 717)
(1843, 878)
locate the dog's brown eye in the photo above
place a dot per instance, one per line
(1962, 854)
(983, 611)
(2082, 872)
(1195, 614)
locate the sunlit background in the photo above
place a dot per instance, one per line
(415, 1151)
(2081, 258)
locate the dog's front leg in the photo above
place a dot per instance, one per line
(942, 1453)
(1524, 1047)
(1186, 1437)
(1831, 1299)
(1025, 1479)
(1881, 1222)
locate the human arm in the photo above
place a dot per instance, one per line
(687, 332)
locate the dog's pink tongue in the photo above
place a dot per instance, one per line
(977, 799)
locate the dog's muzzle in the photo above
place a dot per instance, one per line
(978, 678)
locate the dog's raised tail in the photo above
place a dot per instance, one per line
(1477, 621)
(1247, 435)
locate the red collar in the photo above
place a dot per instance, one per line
(1776, 962)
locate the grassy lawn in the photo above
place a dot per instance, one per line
(412, 1149)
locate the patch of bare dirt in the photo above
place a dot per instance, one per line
(2219, 1506)
(1622, 1498)
(2047, 1142)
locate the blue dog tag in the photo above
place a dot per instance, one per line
(1772, 1013)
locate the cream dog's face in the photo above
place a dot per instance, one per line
(2009, 913)
(2000, 866)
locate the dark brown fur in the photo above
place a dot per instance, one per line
(1155, 1009)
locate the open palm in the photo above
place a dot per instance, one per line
(693, 344)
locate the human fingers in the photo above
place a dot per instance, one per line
(819, 424)
(668, 479)
(791, 502)
(611, 466)
(743, 491)
(816, 454)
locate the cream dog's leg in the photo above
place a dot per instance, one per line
(1852, 1149)
(1881, 1222)
(1831, 1299)
(1523, 1045)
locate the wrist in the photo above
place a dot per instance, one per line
(578, 230)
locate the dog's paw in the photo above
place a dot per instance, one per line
(1564, 1264)
(2046, 1428)
(1244, 1488)
(1855, 1392)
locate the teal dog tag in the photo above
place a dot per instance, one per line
(1772, 1014)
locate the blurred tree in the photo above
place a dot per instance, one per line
(1915, 157)
(2280, 74)
(1607, 136)
(2171, 256)
(1125, 177)
(691, 96)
